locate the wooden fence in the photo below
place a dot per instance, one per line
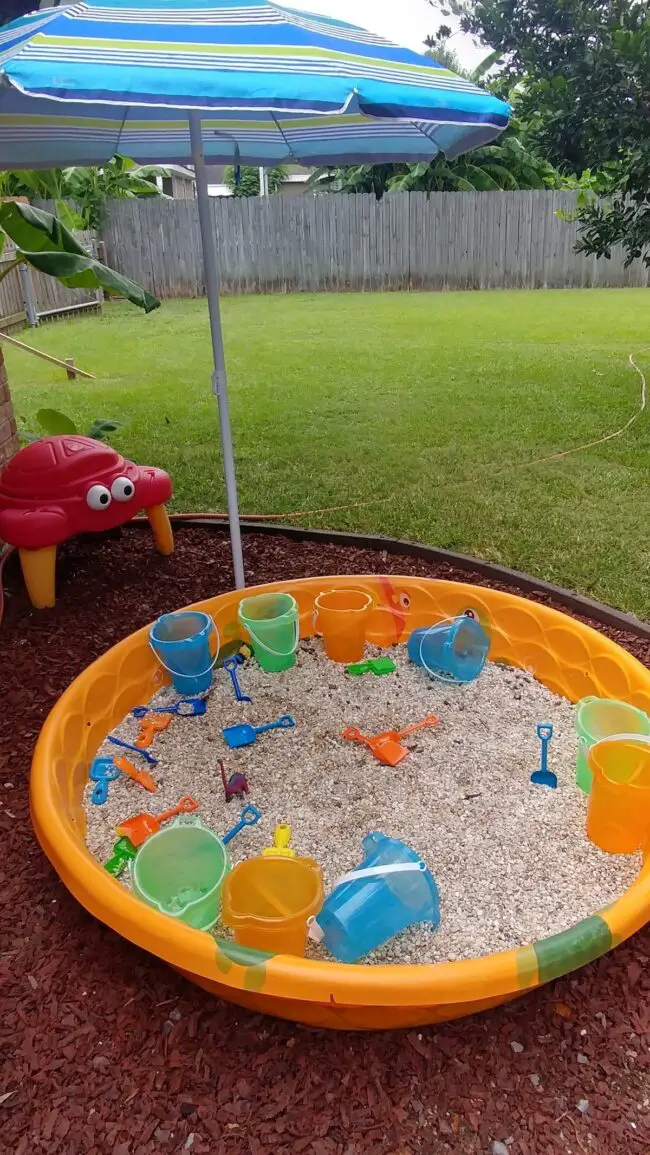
(339, 242)
(32, 293)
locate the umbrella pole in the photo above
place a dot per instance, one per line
(219, 377)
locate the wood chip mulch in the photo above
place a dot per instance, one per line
(107, 1050)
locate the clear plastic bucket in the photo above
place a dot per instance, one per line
(341, 616)
(454, 650)
(180, 871)
(388, 892)
(618, 817)
(271, 620)
(268, 900)
(597, 718)
(181, 642)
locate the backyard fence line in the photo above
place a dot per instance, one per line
(499, 240)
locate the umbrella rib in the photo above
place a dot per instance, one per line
(279, 128)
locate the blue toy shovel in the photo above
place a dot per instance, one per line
(186, 708)
(249, 816)
(230, 665)
(544, 776)
(134, 749)
(244, 734)
(102, 771)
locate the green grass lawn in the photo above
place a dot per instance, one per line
(433, 401)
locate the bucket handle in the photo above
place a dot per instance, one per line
(201, 673)
(435, 673)
(276, 653)
(643, 738)
(377, 871)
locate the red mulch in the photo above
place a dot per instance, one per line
(106, 1050)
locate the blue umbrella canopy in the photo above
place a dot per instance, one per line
(276, 85)
(224, 81)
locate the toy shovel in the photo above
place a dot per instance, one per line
(142, 826)
(102, 771)
(244, 734)
(150, 725)
(249, 816)
(386, 747)
(186, 708)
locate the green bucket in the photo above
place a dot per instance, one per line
(180, 871)
(271, 620)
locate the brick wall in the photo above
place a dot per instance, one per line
(8, 438)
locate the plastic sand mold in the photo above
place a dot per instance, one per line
(372, 666)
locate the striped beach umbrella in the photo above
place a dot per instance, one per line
(224, 82)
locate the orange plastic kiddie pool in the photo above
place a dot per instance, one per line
(567, 656)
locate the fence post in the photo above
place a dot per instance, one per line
(28, 295)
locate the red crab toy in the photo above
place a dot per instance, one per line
(61, 486)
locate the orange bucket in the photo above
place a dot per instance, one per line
(341, 616)
(618, 818)
(267, 901)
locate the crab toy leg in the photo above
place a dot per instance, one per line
(161, 529)
(39, 567)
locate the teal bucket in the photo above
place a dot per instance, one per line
(271, 620)
(181, 642)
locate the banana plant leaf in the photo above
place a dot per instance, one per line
(44, 242)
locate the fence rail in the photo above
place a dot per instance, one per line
(338, 242)
(46, 295)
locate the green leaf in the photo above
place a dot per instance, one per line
(84, 272)
(55, 423)
(68, 216)
(101, 427)
(50, 247)
(485, 65)
(34, 231)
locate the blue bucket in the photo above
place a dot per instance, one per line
(390, 891)
(454, 650)
(181, 642)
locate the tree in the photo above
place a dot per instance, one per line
(245, 180)
(42, 241)
(89, 188)
(581, 71)
(506, 164)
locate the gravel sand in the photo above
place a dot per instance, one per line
(511, 860)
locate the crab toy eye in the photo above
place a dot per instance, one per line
(122, 489)
(98, 497)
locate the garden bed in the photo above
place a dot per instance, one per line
(109, 1051)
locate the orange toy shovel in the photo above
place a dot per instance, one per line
(142, 826)
(151, 725)
(142, 777)
(386, 747)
